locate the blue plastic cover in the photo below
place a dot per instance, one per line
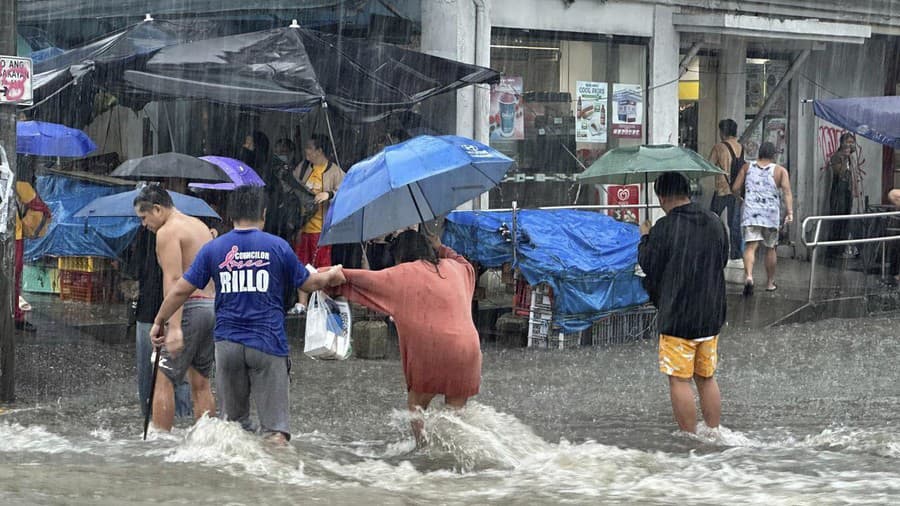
(586, 257)
(874, 118)
(70, 236)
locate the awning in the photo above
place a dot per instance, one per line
(875, 118)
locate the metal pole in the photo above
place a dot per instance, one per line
(7, 239)
(812, 263)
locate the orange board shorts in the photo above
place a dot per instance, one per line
(683, 358)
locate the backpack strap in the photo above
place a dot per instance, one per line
(731, 150)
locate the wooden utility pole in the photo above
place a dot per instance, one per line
(7, 240)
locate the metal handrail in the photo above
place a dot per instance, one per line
(884, 239)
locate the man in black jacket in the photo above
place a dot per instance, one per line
(683, 257)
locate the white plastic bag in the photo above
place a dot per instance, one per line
(327, 328)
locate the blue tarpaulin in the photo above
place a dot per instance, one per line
(586, 257)
(875, 118)
(70, 236)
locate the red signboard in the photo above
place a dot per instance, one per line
(620, 195)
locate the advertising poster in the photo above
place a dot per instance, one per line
(755, 87)
(751, 146)
(627, 111)
(507, 121)
(590, 112)
(621, 195)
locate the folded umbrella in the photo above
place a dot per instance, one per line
(50, 139)
(171, 166)
(412, 182)
(239, 172)
(122, 204)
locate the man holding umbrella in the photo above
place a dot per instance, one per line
(188, 345)
(683, 257)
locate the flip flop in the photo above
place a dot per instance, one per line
(748, 289)
(774, 287)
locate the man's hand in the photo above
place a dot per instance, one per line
(645, 227)
(789, 218)
(174, 341)
(336, 276)
(157, 334)
(321, 197)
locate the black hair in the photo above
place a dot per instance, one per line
(284, 142)
(247, 202)
(728, 127)
(672, 184)
(767, 151)
(320, 141)
(845, 136)
(152, 195)
(411, 246)
(261, 144)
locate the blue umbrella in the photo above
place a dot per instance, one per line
(412, 182)
(239, 172)
(50, 139)
(874, 118)
(122, 204)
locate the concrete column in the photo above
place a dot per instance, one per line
(663, 90)
(732, 96)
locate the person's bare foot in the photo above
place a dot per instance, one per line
(276, 438)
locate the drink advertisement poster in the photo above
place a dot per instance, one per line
(627, 111)
(507, 120)
(590, 112)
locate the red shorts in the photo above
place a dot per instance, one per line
(309, 252)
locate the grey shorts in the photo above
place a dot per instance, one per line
(197, 321)
(243, 372)
(768, 236)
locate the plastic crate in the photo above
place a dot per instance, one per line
(40, 279)
(92, 287)
(83, 264)
(627, 326)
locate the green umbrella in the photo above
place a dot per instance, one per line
(642, 164)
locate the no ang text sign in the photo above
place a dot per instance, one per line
(15, 80)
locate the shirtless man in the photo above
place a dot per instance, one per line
(187, 347)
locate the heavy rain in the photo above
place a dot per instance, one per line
(449, 251)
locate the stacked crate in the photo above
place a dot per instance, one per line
(542, 333)
(626, 326)
(86, 279)
(41, 276)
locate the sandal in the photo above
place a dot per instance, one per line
(748, 288)
(774, 287)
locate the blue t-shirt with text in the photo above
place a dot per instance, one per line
(251, 270)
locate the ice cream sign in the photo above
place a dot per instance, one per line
(15, 80)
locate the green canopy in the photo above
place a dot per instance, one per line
(642, 164)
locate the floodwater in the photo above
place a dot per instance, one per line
(811, 416)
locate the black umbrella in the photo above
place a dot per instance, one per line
(171, 166)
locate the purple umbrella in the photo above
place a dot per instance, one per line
(239, 172)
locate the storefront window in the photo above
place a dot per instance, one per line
(763, 75)
(564, 100)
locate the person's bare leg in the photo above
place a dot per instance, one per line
(710, 400)
(202, 395)
(455, 402)
(414, 402)
(771, 262)
(682, 396)
(749, 259)
(163, 403)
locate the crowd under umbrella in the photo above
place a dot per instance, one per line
(643, 164)
(239, 172)
(413, 182)
(40, 138)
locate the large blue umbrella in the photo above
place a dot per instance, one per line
(874, 118)
(412, 182)
(50, 139)
(122, 204)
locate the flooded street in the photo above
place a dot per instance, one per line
(810, 416)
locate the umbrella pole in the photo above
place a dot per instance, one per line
(330, 134)
(646, 197)
(513, 233)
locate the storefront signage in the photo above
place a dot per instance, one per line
(507, 118)
(627, 111)
(621, 195)
(590, 112)
(15, 80)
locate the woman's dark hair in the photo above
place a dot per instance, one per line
(152, 195)
(411, 246)
(248, 203)
(728, 128)
(320, 141)
(261, 145)
(767, 151)
(845, 136)
(672, 184)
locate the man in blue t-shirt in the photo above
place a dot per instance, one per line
(251, 270)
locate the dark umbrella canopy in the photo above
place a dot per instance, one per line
(171, 166)
(874, 118)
